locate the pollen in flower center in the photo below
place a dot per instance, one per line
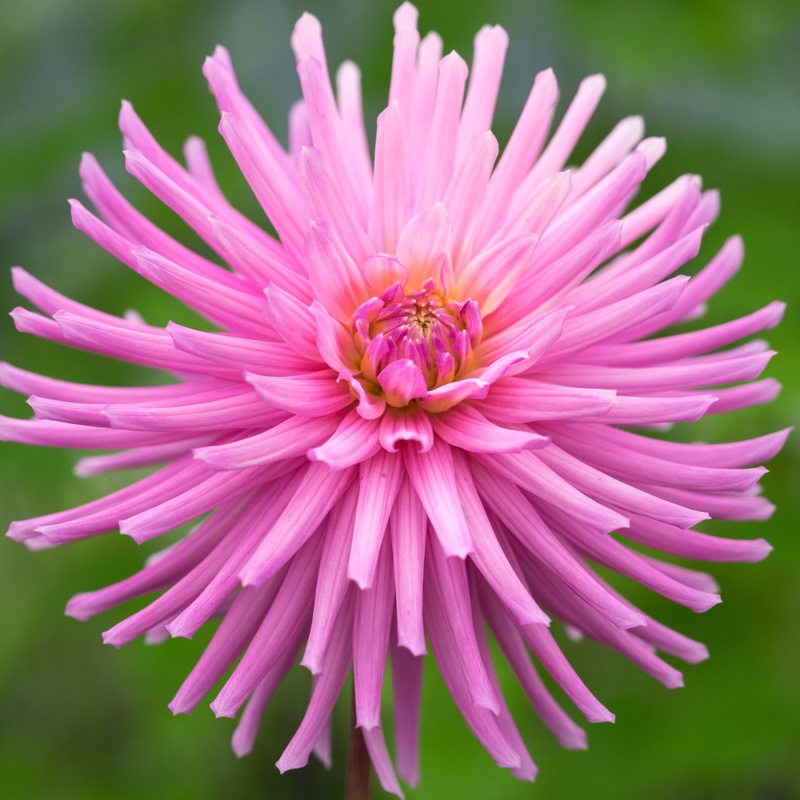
(412, 341)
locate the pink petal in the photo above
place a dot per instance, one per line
(448, 606)
(293, 321)
(174, 563)
(277, 193)
(441, 151)
(433, 477)
(402, 381)
(327, 131)
(609, 153)
(348, 91)
(235, 406)
(527, 769)
(335, 277)
(327, 687)
(389, 212)
(311, 394)
(466, 192)
(198, 499)
(250, 720)
(511, 507)
(450, 659)
(251, 255)
(520, 153)
(423, 238)
(569, 131)
(287, 439)
(253, 355)
(491, 44)
(289, 610)
(569, 735)
(466, 428)
(371, 626)
(334, 343)
(354, 441)
(332, 581)
(319, 491)
(382, 763)
(405, 426)
(489, 557)
(380, 479)
(262, 512)
(491, 276)
(407, 695)
(369, 406)
(329, 205)
(523, 399)
(234, 634)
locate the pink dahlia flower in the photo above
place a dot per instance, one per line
(419, 415)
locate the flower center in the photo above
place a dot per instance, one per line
(410, 342)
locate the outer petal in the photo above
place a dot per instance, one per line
(433, 477)
(380, 482)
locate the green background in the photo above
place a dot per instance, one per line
(719, 78)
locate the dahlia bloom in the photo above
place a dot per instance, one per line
(419, 414)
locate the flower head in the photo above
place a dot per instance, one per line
(420, 412)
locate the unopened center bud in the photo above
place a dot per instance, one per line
(411, 341)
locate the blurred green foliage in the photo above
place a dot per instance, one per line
(719, 78)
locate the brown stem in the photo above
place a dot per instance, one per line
(358, 763)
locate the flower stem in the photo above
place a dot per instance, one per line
(358, 763)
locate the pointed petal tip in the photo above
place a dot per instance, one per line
(406, 16)
(509, 760)
(19, 277)
(698, 653)
(537, 617)
(708, 600)
(597, 82)
(178, 629)
(78, 607)
(110, 637)
(87, 162)
(290, 761)
(527, 773)
(176, 708)
(16, 532)
(761, 548)
(126, 111)
(601, 714)
(488, 702)
(127, 527)
(37, 544)
(222, 709)
(653, 149)
(777, 309)
(633, 620)
(576, 743)
(674, 681)
(307, 23)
